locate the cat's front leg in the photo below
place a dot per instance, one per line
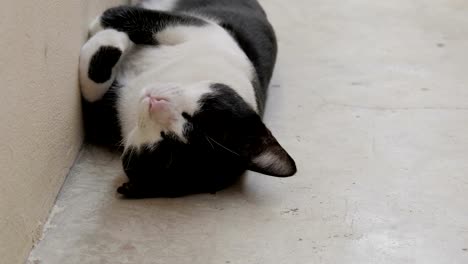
(99, 59)
(136, 190)
(132, 191)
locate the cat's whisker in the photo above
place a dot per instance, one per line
(121, 143)
(170, 161)
(219, 144)
(167, 90)
(130, 152)
(207, 139)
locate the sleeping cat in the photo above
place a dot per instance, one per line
(181, 86)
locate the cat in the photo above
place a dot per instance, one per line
(181, 86)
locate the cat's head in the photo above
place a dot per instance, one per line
(206, 131)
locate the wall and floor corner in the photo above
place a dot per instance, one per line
(372, 102)
(40, 128)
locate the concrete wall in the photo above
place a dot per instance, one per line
(40, 126)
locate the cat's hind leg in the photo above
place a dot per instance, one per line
(99, 59)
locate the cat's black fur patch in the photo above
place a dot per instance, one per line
(227, 118)
(171, 168)
(142, 24)
(102, 62)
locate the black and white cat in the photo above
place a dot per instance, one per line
(181, 85)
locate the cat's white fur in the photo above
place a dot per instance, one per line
(180, 69)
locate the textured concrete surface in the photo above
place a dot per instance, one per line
(40, 123)
(371, 99)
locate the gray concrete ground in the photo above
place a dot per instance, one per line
(371, 99)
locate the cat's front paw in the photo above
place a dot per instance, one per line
(129, 190)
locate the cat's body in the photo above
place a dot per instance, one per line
(182, 90)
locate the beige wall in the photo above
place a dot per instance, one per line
(40, 127)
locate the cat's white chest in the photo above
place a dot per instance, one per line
(186, 63)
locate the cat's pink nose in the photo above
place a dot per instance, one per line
(157, 104)
(160, 109)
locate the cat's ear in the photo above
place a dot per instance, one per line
(269, 157)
